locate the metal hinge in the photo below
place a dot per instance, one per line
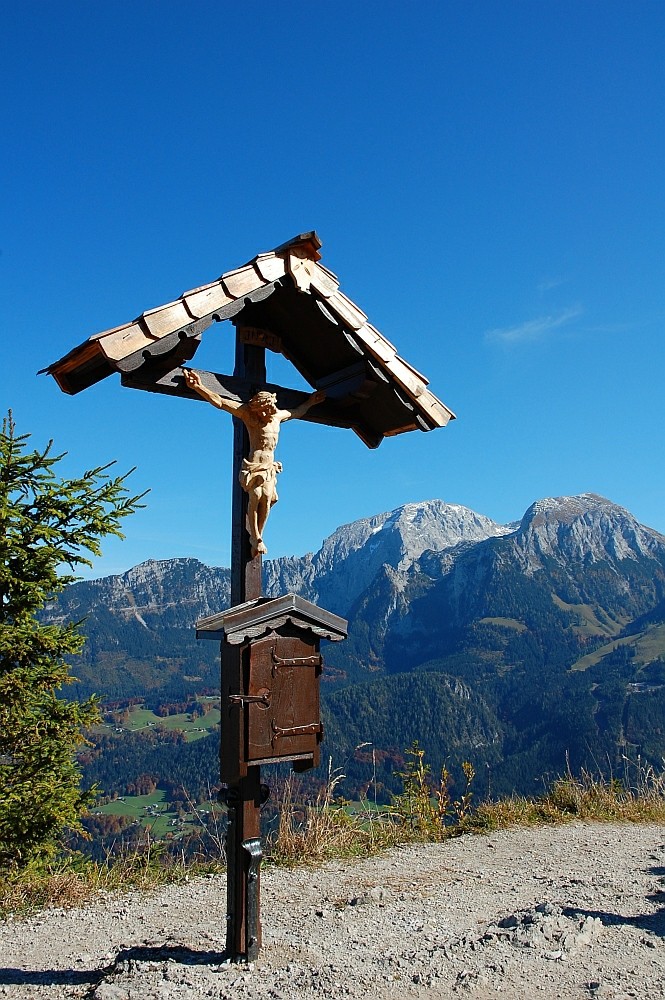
(294, 661)
(310, 729)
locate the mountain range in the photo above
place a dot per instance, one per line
(525, 647)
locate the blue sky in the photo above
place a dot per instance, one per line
(487, 180)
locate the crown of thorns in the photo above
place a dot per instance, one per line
(264, 397)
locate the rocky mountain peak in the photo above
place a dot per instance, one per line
(432, 537)
(585, 528)
(566, 509)
(350, 558)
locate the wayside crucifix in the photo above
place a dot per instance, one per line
(287, 302)
(258, 475)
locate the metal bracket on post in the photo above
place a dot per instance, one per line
(230, 798)
(253, 848)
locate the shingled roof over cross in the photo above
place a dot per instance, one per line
(287, 301)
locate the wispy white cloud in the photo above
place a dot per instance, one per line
(534, 329)
(547, 284)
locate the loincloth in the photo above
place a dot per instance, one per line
(260, 476)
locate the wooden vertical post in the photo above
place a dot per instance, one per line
(243, 844)
(250, 364)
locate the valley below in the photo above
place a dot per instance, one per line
(527, 649)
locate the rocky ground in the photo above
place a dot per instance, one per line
(568, 912)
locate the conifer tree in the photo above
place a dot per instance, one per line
(50, 525)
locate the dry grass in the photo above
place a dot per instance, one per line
(513, 811)
(75, 880)
(425, 811)
(316, 831)
(27, 890)
(638, 798)
(327, 828)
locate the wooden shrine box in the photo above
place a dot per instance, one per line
(271, 668)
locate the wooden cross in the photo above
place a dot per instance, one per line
(284, 300)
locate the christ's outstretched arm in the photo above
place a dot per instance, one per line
(258, 475)
(193, 381)
(300, 411)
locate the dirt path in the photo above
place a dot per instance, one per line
(571, 912)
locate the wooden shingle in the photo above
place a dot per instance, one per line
(297, 302)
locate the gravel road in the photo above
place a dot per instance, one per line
(566, 912)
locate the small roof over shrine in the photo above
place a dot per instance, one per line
(287, 301)
(256, 618)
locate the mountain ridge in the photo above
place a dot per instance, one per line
(553, 624)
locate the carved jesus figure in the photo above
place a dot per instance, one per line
(258, 476)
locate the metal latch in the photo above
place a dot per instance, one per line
(262, 698)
